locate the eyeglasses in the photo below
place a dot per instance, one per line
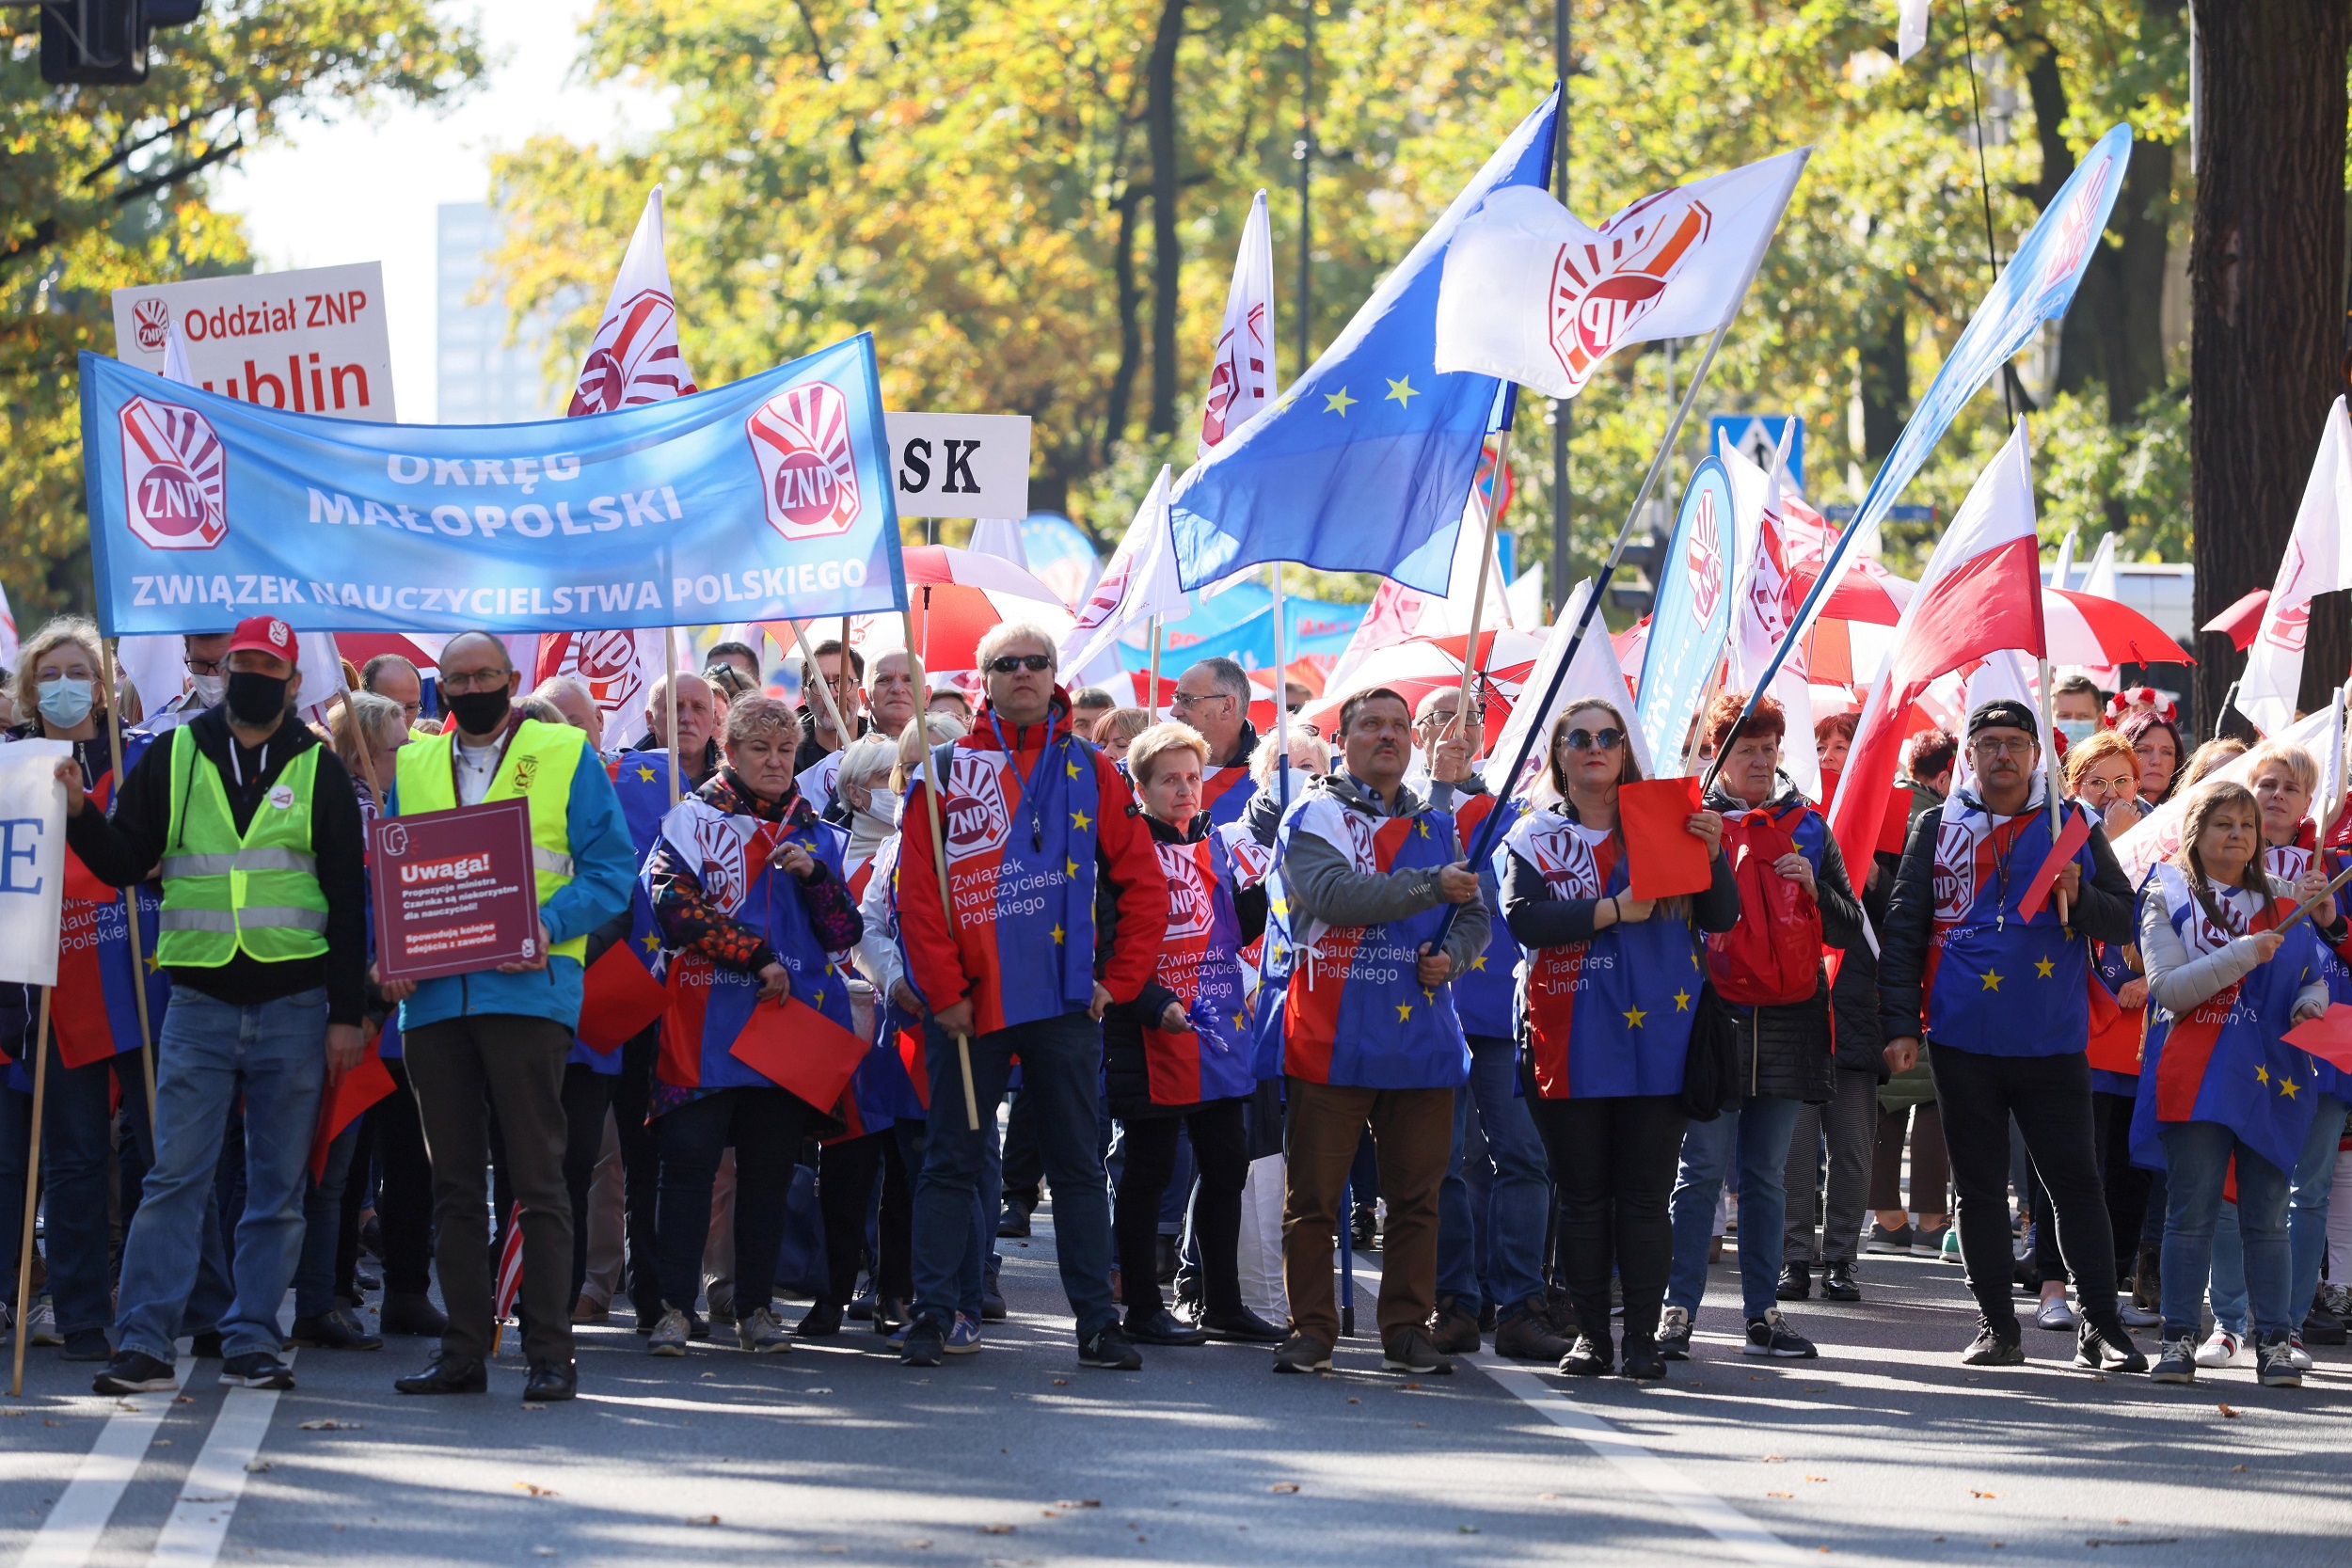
(205, 666)
(1987, 746)
(1187, 699)
(1587, 740)
(458, 682)
(1037, 664)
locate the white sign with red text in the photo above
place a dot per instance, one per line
(312, 342)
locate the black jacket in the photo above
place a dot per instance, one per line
(1126, 1074)
(1788, 1050)
(125, 849)
(2103, 912)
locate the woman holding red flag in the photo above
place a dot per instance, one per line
(94, 1040)
(2221, 1091)
(1608, 991)
(746, 883)
(1178, 1057)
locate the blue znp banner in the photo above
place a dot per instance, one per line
(1690, 616)
(766, 500)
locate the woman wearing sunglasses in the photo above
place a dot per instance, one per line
(1608, 991)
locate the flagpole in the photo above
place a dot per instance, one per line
(130, 901)
(1281, 698)
(2333, 809)
(841, 728)
(2049, 773)
(824, 687)
(1478, 596)
(669, 688)
(1487, 828)
(930, 770)
(1152, 702)
(32, 1189)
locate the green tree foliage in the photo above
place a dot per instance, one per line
(102, 187)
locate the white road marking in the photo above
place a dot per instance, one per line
(70, 1534)
(1747, 1540)
(193, 1536)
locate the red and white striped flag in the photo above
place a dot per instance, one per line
(510, 1268)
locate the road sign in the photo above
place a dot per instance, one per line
(1757, 437)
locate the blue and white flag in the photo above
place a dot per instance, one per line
(1691, 617)
(765, 500)
(1363, 465)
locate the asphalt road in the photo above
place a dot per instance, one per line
(1885, 1449)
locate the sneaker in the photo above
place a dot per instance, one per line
(2274, 1364)
(338, 1330)
(2056, 1316)
(1452, 1328)
(1771, 1335)
(2177, 1362)
(1412, 1352)
(2337, 1298)
(669, 1333)
(925, 1343)
(2105, 1347)
(1303, 1352)
(134, 1371)
(1641, 1360)
(1586, 1359)
(40, 1326)
(2296, 1353)
(2221, 1348)
(257, 1368)
(2323, 1327)
(1897, 1240)
(1110, 1349)
(1942, 1241)
(963, 1335)
(992, 1299)
(762, 1335)
(88, 1344)
(1673, 1333)
(1796, 1283)
(1838, 1283)
(1013, 1224)
(1992, 1348)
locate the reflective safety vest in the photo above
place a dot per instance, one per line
(538, 766)
(224, 894)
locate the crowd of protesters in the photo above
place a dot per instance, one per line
(1251, 1004)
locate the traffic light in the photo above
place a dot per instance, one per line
(104, 42)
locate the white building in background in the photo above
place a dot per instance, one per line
(479, 376)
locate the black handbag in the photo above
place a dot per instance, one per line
(1710, 1074)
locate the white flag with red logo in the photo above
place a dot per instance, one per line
(1533, 296)
(1141, 583)
(635, 358)
(1982, 593)
(1241, 381)
(2317, 561)
(619, 668)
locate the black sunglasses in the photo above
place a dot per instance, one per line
(1586, 740)
(1005, 664)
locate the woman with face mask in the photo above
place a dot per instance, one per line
(94, 1032)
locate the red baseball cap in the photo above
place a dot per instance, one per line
(266, 634)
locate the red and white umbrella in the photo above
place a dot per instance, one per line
(1420, 665)
(2085, 628)
(939, 566)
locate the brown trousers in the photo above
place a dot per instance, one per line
(463, 1068)
(1412, 1136)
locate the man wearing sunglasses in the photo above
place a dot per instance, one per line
(1059, 910)
(1213, 697)
(2006, 1011)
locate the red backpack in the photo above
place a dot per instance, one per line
(1773, 955)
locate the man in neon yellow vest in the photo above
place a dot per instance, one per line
(499, 1038)
(265, 930)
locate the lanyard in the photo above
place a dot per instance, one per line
(1030, 786)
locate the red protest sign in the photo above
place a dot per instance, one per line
(1668, 859)
(2328, 1036)
(455, 891)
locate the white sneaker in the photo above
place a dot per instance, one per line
(41, 1327)
(2296, 1353)
(2222, 1350)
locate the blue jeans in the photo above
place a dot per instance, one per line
(2307, 1228)
(977, 1257)
(1517, 1197)
(273, 1056)
(1062, 1064)
(1761, 1130)
(323, 1227)
(2195, 1160)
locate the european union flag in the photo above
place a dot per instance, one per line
(1364, 463)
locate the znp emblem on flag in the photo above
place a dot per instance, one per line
(174, 477)
(634, 360)
(1599, 291)
(800, 439)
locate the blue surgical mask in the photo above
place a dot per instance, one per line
(65, 702)
(2077, 731)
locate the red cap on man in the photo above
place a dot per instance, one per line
(266, 634)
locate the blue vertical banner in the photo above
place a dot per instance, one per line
(1690, 615)
(766, 500)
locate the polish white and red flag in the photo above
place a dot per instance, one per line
(1241, 379)
(1139, 582)
(633, 361)
(2318, 559)
(1980, 594)
(1533, 296)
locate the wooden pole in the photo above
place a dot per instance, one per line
(939, 845)
(842, 730)
(669, 690)
(824, 688)
(1468, 717)
(131, 897)
(32, 1190)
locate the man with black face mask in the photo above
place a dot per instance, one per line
(497, 1041)
(265, 932)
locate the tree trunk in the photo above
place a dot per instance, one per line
(1130, 324)
(1886, 385)
(1166, 255)
(2266, 269)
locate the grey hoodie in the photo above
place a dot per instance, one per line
(1323, 884)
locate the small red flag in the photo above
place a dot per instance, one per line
(2072, 837)
(619, 997)
(795, 1047)
(1671, 859)
(348, 1100)
(2328, 1036)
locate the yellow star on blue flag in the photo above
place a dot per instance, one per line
(1401, 391)
(1337, 403)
